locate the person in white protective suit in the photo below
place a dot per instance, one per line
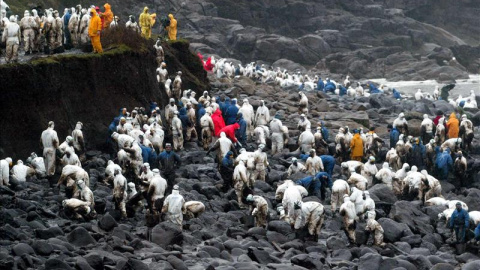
(155, 134)
(122, 139)
(339, 189)
(248, 115)
(132, 24)
(66, 145)
(156, 192)
(419, 95)
(374, 227)
(38, 164)
(436, 201)
(120, 192)
(357, 180)
(177, 86)
(260, 212)
(314, 164)
(369, 170)
(160, 54)
(177, 132)
(429, 187)
(304, 123)
(110, 172)
(262, 116)
(341, 145)
(398, 183)
(385, 175)
(368, 203)
(348, 212)
(292, 195)
(70, 158)
(309, 214)
(351, 165)
(466, 132)
(204, 99)
(240, 180)
(193, 209)
(170, 110)
(174, 206)
(295, 167)
(49, 141)
(261, 134)
(28, 27)
(413, 180)
(261, 164)
(78, 139)
(20, 172)
(223, 144)
(38, 35)
(5, 165)
(208, 128)
(70, 176)
(78, 208)
(85, 194)
(281, 189)
(191, 130)
(356, 196)
(303, 103)
(401, 124)
(306, 141)
(393, 159)
(162, 76)
(277, 134)
(427, 126)
(84, 22)
(145, 177)
(74, 25)
(453, 143)
(11, 36)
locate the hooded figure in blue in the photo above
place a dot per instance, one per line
(153, 105)
(320, 85)
(148, 154)
(200, 113)
(328, 164)
(226, 170)
(225, 107)
(417, 155)
(231, 113)
(342, 90)
(374, 89)
(444, 163)
(394, 136)
(459, 221)
(396, 94)
(168, 162)
(330, 87)
(324, 131)
(316, 185)
(182, 114)
(241, 133)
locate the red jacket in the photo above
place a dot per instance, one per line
(218, 122)
(230, 131)
(435, 121)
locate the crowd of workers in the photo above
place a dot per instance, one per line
(147, 162)
(46, 31)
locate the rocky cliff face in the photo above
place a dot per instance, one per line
(86, 88)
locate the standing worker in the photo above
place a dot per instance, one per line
(145, 23)
(107, 16)
(94, 30)
(459, 221)
(356, 147)
(172, 28)
(11, 36)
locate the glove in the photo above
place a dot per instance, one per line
(268, 169)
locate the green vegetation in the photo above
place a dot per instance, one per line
(19, 6)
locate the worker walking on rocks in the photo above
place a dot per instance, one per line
(453, 126)
(177, 132)
(248, 115)
(260, 212)
(208, 128)
(11, 36)
(174, 206)
(49, 141)
(226, 170)
(240, 180)
(459, 221)
(172, 28)
(262, 116)
(156, 192)
(145, 23)
(277, 134)
(309, 214)
(347, 211)
(374, 227)
(261, 163)
(94, 30)
(120, 192)
(339, 189)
